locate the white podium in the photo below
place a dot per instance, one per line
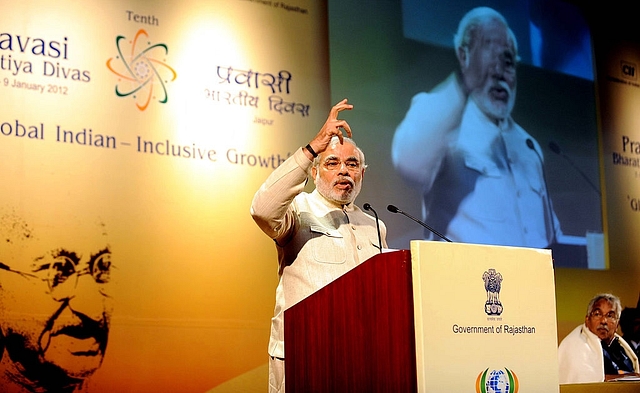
(485, 318)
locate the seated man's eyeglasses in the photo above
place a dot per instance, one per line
(612, 316)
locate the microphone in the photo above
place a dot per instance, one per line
(531, 146)
(556, 149)
(368, 207)
(394, 209)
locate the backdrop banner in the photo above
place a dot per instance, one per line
(133, 135)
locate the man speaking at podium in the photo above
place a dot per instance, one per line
(320, 235)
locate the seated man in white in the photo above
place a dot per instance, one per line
(594, 349)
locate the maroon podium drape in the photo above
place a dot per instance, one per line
(356, 334)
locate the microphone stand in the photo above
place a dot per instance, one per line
(546, 190)
(368, 207)
(394, 209)
(556, 149)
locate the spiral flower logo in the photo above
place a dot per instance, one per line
(142, 70)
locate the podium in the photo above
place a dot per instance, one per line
(441, 317)
(357, 333)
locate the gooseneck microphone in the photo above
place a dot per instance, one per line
(394, 209)
(368, 207)
(556, 149)
(531, 146)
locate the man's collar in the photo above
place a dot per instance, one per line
(611, 342)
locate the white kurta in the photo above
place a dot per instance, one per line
(317, 240)
(482, 182)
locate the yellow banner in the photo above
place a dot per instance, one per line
(145, 128)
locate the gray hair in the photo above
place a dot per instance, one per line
(612, 299)
(472, 21)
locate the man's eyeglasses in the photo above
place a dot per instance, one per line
(612, 316)
(334, 165)
(61, 274)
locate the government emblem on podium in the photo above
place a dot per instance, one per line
(492, 283)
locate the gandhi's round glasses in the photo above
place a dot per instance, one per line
(62, 274)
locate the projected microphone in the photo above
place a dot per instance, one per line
(556, 149)
(369, 208)
(531, 146)
(394, 209)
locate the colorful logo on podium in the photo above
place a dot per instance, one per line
(492, 284)
(497, 381)
(142, 70)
